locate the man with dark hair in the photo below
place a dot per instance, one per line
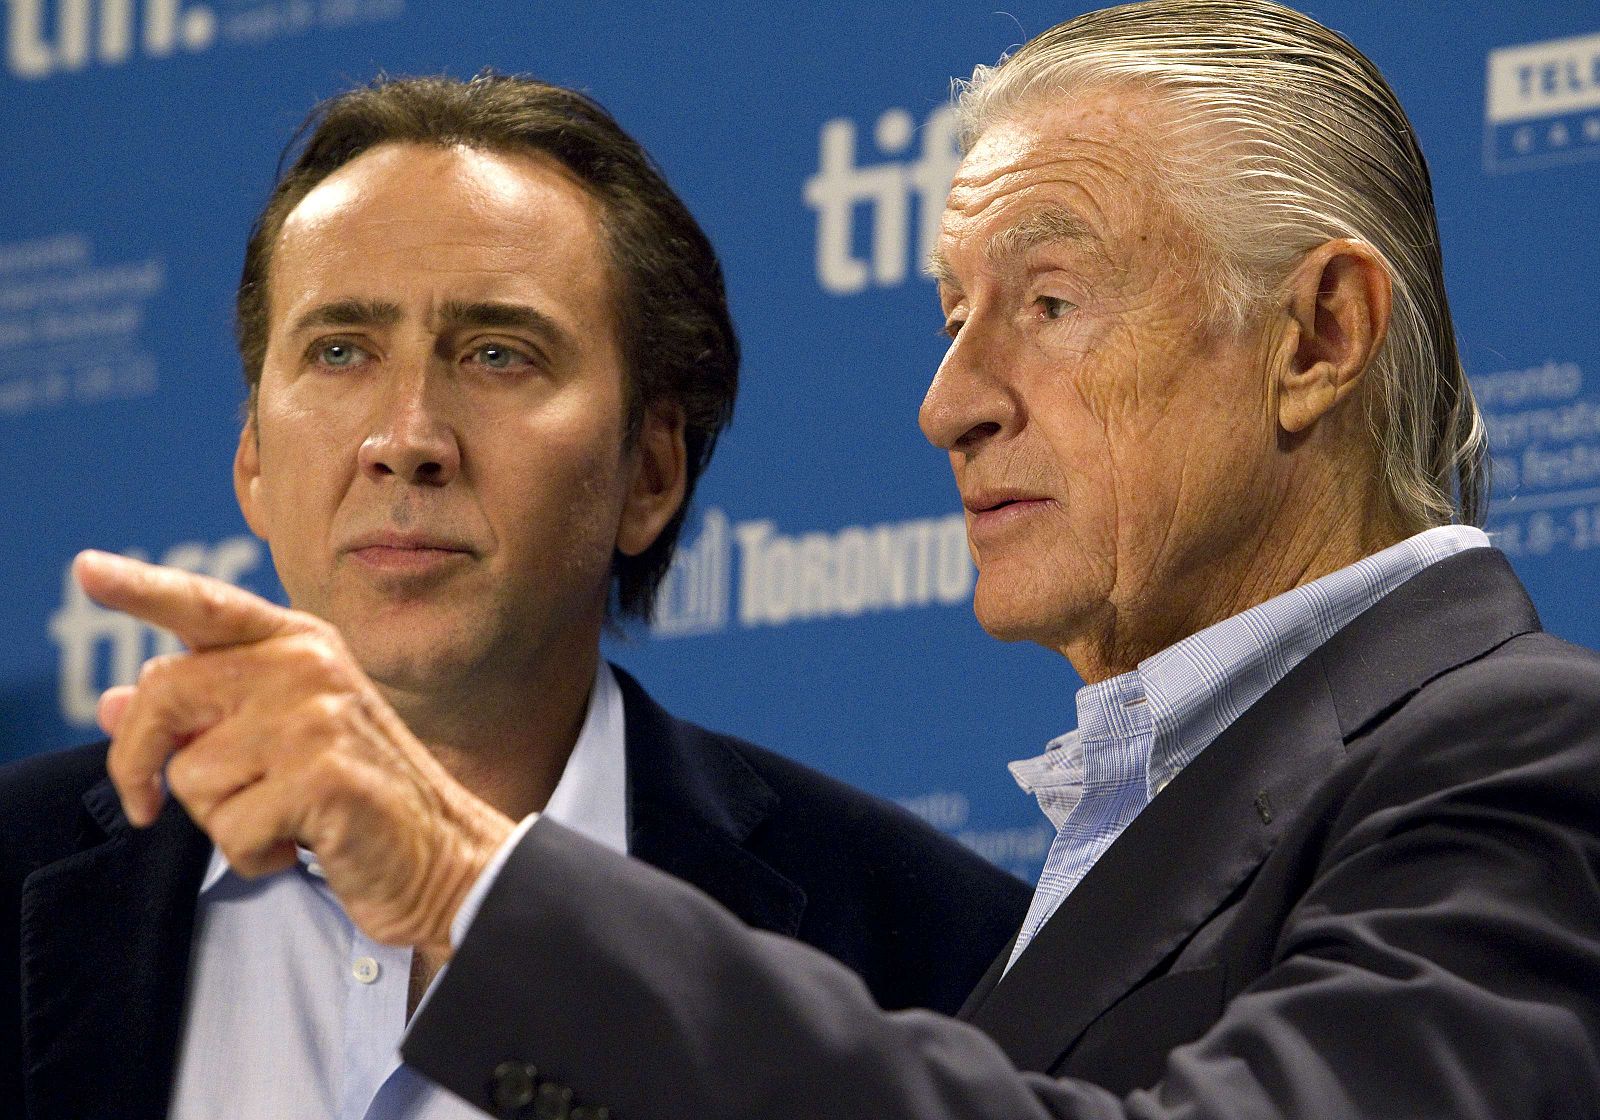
(488, 356)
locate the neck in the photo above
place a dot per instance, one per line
(1288, 550)
(508, 739)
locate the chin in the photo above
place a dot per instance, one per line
(1006, 618)
(1014, 614)
(409, 666)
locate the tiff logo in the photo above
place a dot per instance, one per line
(81, 628)
(85, 31)
(842, 188)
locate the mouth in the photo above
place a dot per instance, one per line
(991, 511)
(402, 553)
(988, 501)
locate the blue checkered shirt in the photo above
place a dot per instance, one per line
(1138, 730)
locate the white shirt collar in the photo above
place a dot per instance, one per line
(592, 795)
(1180, 700)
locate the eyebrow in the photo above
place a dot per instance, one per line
(455, 314)
(512, 316)
(350, 313)
(1041, 227)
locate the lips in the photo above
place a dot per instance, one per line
(980, 502)
(406, 553)
(406, 542)
(997, 511)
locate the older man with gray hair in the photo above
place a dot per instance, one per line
(1328, 830)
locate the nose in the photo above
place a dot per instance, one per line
(969, 401)
(411, 439)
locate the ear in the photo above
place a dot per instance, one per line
(659, 480)
(1338, 306)
(247, 478)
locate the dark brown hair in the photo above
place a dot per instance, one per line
(677, 339)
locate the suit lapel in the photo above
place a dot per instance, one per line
(985, 986)
(693, 802)
(105, 937)
(1172, 868)
(1181, 859)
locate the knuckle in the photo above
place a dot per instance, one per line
(316, 658)
(158, 670)
(329, 776)
(185, 775)
(311, 626)
(320, 719)
(240, 854)
(211, 600)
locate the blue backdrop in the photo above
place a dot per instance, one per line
(823, 600)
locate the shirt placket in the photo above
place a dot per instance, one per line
(1116, 754)
(376, 979)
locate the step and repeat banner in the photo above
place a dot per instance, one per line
(821, 603)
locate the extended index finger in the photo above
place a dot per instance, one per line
(206, 613)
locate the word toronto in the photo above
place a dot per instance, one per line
(786, 578)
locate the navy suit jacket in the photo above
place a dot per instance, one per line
(1376, 894)
(96, 917)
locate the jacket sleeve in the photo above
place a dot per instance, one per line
(1443, 959)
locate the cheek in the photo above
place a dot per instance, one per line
(304, 457)
(564, 482)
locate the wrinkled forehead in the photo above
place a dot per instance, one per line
(1080, 170)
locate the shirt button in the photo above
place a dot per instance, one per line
(315, 868)
(365, 970)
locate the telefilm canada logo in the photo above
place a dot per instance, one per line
(1543, 104)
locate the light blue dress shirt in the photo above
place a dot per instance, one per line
(1136, 731)
(294, 1014)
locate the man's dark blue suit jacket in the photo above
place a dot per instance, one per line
(1376, 895)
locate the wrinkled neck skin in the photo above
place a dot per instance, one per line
(1318, 519)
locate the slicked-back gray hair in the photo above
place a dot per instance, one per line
(1284, 136)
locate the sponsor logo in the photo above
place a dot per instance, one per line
(1543, 104)
(785, 578)
(47, 37)
(843, 190)
(100, 648)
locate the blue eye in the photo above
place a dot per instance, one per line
(338, 354)
(498, 356)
